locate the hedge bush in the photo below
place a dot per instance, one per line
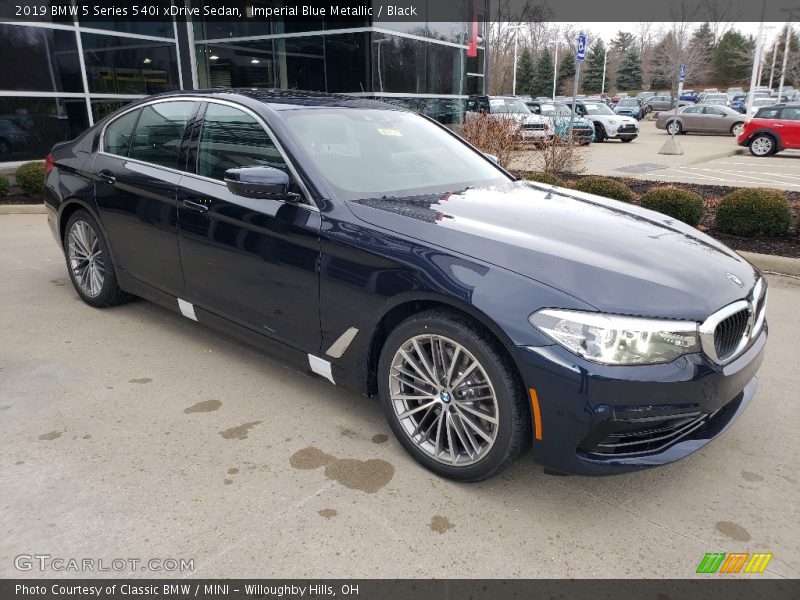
(4, 185)
(683, 205)
(751, 212)
(547, 178)
(608, 188)
(30, 178)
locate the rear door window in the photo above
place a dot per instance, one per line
(159, 132)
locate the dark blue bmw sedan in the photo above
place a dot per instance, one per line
(384, 253)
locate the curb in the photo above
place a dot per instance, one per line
(782, 265)
(22, 209)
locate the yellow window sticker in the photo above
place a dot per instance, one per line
(392, 132)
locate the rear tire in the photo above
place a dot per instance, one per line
(451, 396)
(762, 145)
(89, 262)
(674, 128)
(737, 128)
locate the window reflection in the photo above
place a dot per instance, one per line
(44, 60)
(29, 127)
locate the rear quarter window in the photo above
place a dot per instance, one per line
(117, 138)
(769, 112)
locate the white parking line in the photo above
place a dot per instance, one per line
(681, 175)
(750, 175)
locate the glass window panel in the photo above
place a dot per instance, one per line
(103, 108)
(44, 60)
(398, 64)
(347, 62)
(159, 132)
(116, 65)
(117, 136)
(237, 64)
(29, 127)
(231, 138)
(304, 63)
(129, 24)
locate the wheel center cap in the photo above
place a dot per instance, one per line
(444, 397)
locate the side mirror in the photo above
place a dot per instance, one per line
(259, 182)
(491, 157)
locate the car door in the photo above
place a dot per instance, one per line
(136, 171)
(251, 261)
(692, 118)
(790, 132)
(715, 120)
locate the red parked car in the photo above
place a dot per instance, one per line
(772, 129)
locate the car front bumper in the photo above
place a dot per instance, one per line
(601, 420)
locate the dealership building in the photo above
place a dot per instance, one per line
(60, 73)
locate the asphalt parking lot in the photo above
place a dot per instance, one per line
(133, 432)
(707, 159)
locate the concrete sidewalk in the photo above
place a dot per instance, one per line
(134, 432)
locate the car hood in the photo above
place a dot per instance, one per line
(617, 257)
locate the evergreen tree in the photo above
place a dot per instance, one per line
(525, 72)
(566, 72)
(733, 58)
(629, 74)
(701, 50)
(543, 78)
(593, 74)
(623, 42)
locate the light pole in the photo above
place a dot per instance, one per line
(555, 43)
(756, 61)
(774, 56)
(603, 85)
(516, 29)
(786, 49)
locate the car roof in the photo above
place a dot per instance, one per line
(279, 99)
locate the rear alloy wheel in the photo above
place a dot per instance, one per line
(673, 128)
(89, 262)
(737, 129)
(762, 145)
(451, 398)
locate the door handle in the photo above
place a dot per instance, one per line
(107, 176)
(194, 206)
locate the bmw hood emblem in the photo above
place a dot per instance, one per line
(734, 279)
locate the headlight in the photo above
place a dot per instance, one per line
(616, 339)
(612, 122)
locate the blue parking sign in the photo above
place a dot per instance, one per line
(581, 48)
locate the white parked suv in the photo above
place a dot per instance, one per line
(607, 124)
(533, 127)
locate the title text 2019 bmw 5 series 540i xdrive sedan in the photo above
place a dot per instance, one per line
(383, 252)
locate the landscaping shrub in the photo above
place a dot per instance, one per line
(751, 212)
(546, 178)
(683, 205)
(491, 135)
(4, 185)
(30, 178)
(608, 188)
(556, 156)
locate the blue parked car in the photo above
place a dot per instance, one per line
(738, 103)
(629, 107)
(688, 96)
(558, 114)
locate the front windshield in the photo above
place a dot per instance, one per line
(555, 110)
(507, 105)
(598, 109)
(377, 153)
(763, 101)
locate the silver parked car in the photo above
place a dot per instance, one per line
(703, 118)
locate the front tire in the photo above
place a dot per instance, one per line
(89, 262)
(451, 397)
(599, 133)
(762, 145)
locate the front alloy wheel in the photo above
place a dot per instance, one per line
(452, 396)
(443, 399)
